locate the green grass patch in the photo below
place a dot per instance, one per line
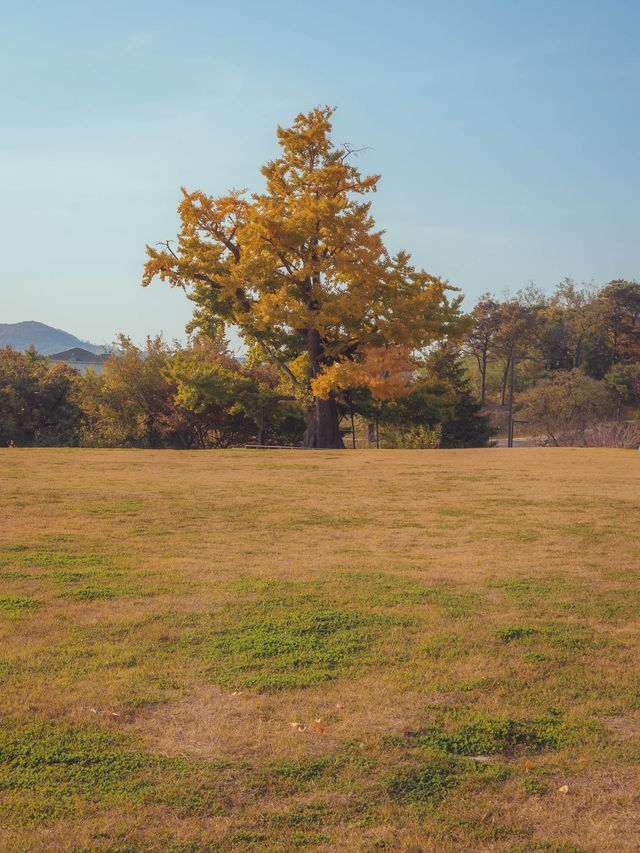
(50, 771)
(47, 771)
(429, 782)
(310, 814)
(53, 558)
(14, 605)
(554, 594)
(530, 591)
(534, 786)
(284, 643)
(287, 777)
(514, 632)
(482, 734)
(432, 778)
(91, 593)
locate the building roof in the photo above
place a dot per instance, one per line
(77, 354)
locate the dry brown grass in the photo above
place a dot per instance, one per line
(275, 637)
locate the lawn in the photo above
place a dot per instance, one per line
(319, 650)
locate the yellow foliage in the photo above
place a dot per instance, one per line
(301, 270)
(385, 371)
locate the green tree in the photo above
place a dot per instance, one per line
(571, 333)
(301, 271)
(230, 403)
(464, 424)
(487, 318)
(37, 405)
(620, 302)
(624, 381)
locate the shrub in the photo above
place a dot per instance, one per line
(565, 406)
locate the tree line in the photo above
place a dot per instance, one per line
(202, 396)
(567, 365)
(564, 363)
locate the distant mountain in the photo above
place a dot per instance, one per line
(46, 339)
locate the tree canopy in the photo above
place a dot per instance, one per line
(302, 272)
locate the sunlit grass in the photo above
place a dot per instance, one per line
(396, 650)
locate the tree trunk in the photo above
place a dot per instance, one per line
(322, 425)
(505, 378)
(322, 415)
(483, 378)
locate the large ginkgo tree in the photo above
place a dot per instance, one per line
(301, 271)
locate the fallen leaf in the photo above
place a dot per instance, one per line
(581, 760)
(528, 764)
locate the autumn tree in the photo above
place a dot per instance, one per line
(302, 272)
(131, 403)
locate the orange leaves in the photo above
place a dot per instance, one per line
(385, 371)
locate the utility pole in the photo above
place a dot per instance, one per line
(510, 434)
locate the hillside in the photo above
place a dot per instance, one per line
(45, 339)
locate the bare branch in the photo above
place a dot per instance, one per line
(167, 245)
(350, 149)
(280, 363)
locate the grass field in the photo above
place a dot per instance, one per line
(393, 650)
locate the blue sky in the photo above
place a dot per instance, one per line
(506, 134)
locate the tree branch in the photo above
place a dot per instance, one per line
(280, 363)
(167, 245)
(220, 235)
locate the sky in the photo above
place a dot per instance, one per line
(506, 133)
